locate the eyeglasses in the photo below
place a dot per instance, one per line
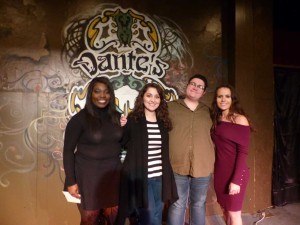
(197, 86)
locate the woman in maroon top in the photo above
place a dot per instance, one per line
(231, 135)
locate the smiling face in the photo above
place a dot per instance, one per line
(151, 99)
(195, 89)
(224, 99)
(100, 95)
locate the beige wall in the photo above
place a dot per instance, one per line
(35, 83)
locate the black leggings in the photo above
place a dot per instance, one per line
(89, 217)
(98, 217)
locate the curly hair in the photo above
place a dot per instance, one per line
(162, 112)
(92, 109)
(235, 107)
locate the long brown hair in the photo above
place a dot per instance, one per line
(235, 107)
(162, 112)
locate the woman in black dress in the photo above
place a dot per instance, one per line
(91, 152)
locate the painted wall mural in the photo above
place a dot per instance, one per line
(128, 47)
(49, 55)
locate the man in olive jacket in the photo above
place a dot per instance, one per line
(191, 153)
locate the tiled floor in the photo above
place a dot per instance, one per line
(286, 215)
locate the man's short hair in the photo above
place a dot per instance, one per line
(201, 77)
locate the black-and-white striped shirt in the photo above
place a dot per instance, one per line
(154, 150)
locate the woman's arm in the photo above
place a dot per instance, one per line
(72, 134)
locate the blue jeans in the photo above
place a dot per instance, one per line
(193, 191)
(153, 214)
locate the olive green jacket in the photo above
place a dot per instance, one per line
(191, 148)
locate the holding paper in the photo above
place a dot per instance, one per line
(70, 198)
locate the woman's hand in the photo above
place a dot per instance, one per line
(123, 120)
(74, 191)
(234, 189)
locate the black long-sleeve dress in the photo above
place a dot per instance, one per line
(95, 166)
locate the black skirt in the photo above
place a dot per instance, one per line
(98, 182)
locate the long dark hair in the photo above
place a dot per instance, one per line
(162, 112)
(93, 111)
(235, 107)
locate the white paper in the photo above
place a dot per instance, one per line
(70, 198)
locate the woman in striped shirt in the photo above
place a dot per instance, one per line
(147, 180)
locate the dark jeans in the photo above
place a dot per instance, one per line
(153, 214)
